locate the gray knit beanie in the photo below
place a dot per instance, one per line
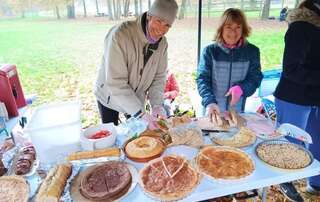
(164, 9)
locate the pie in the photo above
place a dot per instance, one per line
(220, 162)
(283, 155)
(144, 148)
(243, 138)
(107, 181)
(13, 188)
(168, 178)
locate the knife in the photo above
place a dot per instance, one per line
(214, 131)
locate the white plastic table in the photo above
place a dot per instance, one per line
(263, 177)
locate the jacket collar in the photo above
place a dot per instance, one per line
(304, 15)
(141, 20)
(227, 50)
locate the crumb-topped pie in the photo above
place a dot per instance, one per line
(243, 138)
(282, 154)
(168, 178)
(221, 162)
(13, 188)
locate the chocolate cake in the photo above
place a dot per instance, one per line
(107, 181)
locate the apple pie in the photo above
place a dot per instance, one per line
(243, 138)
(13, 188)
(168, 178)
(220, 162)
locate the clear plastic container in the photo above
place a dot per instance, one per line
(54, 130)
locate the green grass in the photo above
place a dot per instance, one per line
(57, 59)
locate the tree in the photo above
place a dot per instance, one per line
(182, 9)
(20, 6)
(97, 7)
(126, 6)
(136, 11)
(84, 8)
(110, 13)
(265, 10)
(149, 4)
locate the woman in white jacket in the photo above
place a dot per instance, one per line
(134, 64)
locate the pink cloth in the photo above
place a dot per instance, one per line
(237, 45)
(171, 89)
(235, 92)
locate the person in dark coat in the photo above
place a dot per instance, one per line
(229, 70)
(297, 96)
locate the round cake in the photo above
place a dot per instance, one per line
(110, 180)
(144, 147)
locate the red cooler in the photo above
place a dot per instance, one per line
(10, 89)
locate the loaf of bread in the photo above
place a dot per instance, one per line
(94, 154)
(53, 186)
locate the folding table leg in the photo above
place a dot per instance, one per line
(264, 194)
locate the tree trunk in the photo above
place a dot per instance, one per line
(97, 7)
(136, 8)
(126, 8)
(265, 10)
(296, 4)
(140, 6)
(84, 8)
(57, 12)
(182, 9)
(242, 5)
(149, 4)
(209, 7)
(110, 13)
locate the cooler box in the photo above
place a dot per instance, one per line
(269, 82)
(55, 130)
(11, 90)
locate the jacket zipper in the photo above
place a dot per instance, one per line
(230, 74)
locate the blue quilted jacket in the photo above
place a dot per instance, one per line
(221, 68)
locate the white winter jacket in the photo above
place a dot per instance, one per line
(123, 81)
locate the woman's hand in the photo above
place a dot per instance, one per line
(213, 112)
(236, 93)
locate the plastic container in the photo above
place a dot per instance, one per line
(54, 130)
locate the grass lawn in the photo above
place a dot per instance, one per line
(57, 60)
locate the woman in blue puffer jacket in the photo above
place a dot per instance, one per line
(229, 69)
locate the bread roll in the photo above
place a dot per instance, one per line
(94, 154)
(53, 186)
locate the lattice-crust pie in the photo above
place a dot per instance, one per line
(227, 163)
(168, 178)
(282, 154)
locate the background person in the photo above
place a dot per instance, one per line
(297, 96)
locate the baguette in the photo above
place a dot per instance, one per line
(94, 154)
(53, 186)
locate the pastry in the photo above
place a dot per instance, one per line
(94, 154)
(24, 160)
(168, 178)
(53, 185)
(188, 134)
(144, 148)
(283, 155)
(177, 121)
(107, 181)
(224, 163)
(206, 124)
(13, 188)
(243, 138)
